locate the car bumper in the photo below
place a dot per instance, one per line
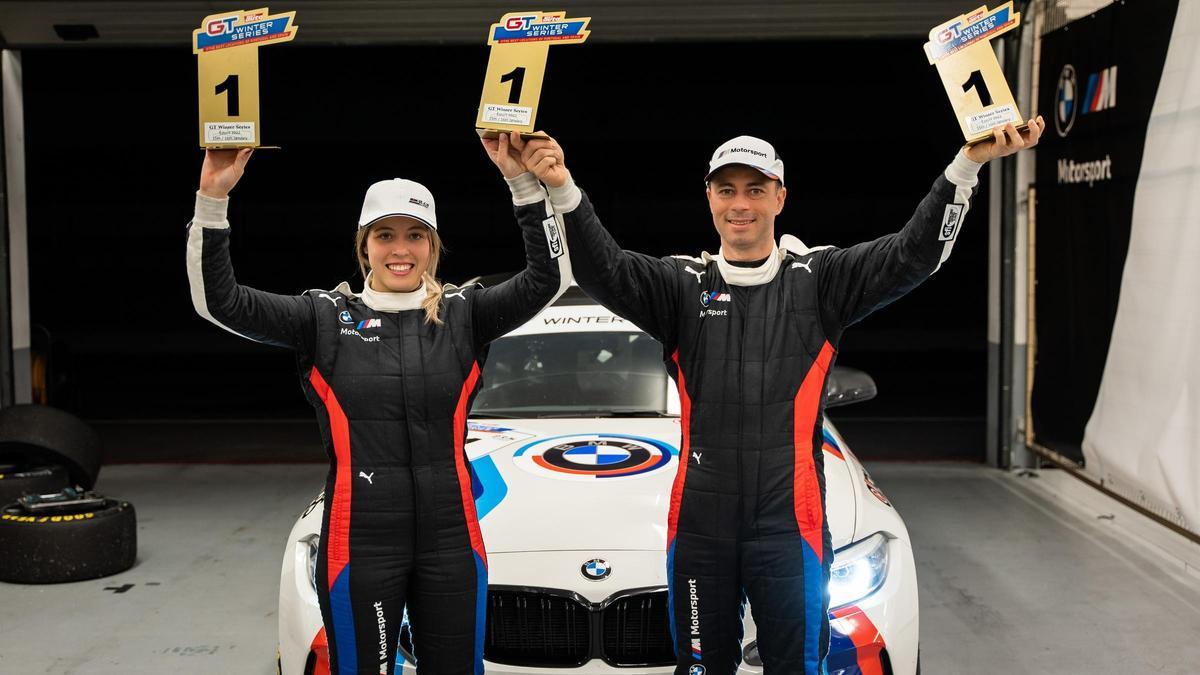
(877, 635)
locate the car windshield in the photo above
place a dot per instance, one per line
(576, 374)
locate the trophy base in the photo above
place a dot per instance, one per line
(1024, 126)
(495, 133)
(239, 147)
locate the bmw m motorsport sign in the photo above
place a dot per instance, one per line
(226, 48)
(1103, 78)
(517, 65)
(978, 91)
(589, 457)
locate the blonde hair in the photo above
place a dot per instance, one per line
(432, 303)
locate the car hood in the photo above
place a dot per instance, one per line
(598, 484)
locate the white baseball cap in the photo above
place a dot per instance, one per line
(750, 151)
(397, 197)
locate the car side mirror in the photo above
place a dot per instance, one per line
(848, 385)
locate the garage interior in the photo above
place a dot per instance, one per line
(1022, 566)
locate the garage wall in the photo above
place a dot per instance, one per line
(1116, 313)
(1143, 434)
(1099, 76)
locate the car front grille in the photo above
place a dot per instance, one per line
(637, 631)
(536, 629)
(547, 628)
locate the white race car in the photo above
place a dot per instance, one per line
(573, 440)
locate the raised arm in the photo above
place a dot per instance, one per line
(637, 287)
(855, 281)
(281, 320)
(547, 274)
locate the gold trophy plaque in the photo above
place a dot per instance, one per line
(962, 51)
(226, 48)
(517, 66)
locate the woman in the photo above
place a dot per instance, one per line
(391, 371)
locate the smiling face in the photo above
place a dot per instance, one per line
(744, 203)
(399, 250)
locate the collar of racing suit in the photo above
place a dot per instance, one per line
(391, 302)
(749, 276)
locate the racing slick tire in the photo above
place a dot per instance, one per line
(49, 549)
(16, 481)
(32, 435)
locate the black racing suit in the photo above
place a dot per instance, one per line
(391, 393)
(750, 351)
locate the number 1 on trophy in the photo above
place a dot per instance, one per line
(974, 82)
(226, 47)
(517, 66)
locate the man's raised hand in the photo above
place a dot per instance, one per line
(544, 157)
(1006, 141)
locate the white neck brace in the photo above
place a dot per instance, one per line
(381, 301)
(749, 276)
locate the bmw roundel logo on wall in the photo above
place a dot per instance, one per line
(1065, 103)
(589, 457)
(596, 569)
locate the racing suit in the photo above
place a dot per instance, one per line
(391, 392)
(750, 350)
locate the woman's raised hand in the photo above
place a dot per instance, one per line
(222, 170)
(504, 153)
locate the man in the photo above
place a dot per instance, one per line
(750, 335)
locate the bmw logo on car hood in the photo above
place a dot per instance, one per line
(609, 481)
(596, 569)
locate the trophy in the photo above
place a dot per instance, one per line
(226, 48)
(961, 49)
(517, 65)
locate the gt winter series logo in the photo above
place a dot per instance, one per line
(588, 457)
(538, 27)
(243, 28)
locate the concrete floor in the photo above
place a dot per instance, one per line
(1013, 580)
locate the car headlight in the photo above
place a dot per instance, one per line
(858, 570)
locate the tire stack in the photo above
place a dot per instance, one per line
(53, 528)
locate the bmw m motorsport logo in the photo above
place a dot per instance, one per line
(707, 297)
(586, 457)
(694, 621)
(1101, 94)
(596, 569)
(345, 318)
(696, 670)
